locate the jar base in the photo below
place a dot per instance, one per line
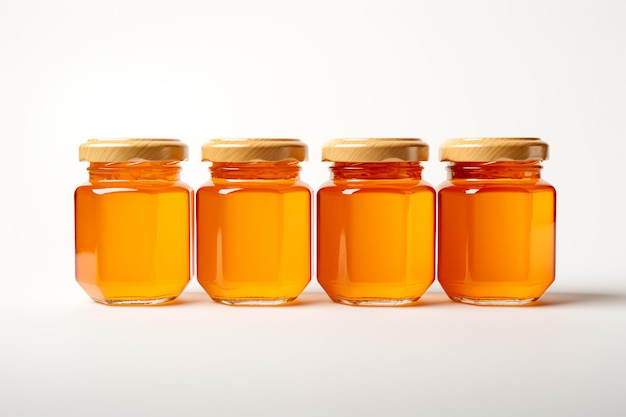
(374, 302)
(494, 301)
(135, 302)
(254, 301)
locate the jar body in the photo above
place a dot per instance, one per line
(376, 234)
(496, 233)
(254, 233)
(132, 224)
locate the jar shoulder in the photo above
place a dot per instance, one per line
(494, 185)
(106, 187)
(265, 185)
(377, 185)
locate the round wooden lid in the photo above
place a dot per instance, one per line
(375, 150)
(122, 150)
(254, 150)
(493, 149)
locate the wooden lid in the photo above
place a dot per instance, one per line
(122, 150)
(375, 150)
(254, 150)
(494, 149)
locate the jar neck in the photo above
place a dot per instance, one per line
(511, 170)
(376, 171)
(134, 171)
(252, 171)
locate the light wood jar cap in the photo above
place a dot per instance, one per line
(494, 149)
(254, 150)
(375, 150)
(123, 150)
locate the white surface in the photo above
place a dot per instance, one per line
(71, 70)
(70, 356)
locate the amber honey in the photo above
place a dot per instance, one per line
(496, 222)
(254, 222)
(133, 222)
(376, 223)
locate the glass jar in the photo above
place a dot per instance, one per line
(496, 221)
(254, 222)
(133, 221)
(376, 222)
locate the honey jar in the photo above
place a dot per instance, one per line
(496, 221)
(254, 222)
(376, 222)
(132, 221)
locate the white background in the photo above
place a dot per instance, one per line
(72, 70)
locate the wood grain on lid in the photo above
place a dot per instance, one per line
(122, 150)
(254, 150)
(493, 149)
(375, 150)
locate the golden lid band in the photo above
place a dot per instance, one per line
(254, 150)
(493, 149)
(123, 150)
(375, 150)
